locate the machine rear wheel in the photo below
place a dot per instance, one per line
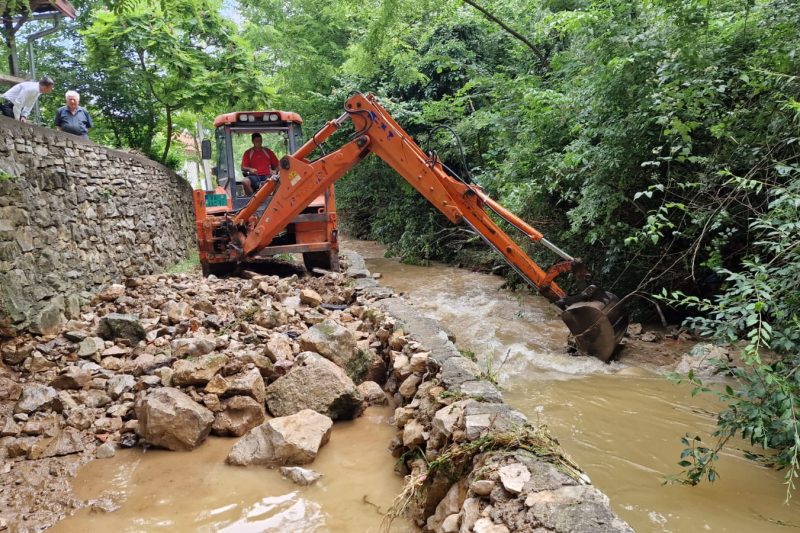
(218, 269)
(324, 260)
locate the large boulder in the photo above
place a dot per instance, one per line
(249, 383)
(290, 440)
(318, 384)
(36, 397)
(239, 415)
(168, 418)
(332, 341)
(198, 371)
(121, 326)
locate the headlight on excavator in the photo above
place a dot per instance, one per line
(273, 117)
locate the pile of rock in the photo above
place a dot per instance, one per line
(166, 360)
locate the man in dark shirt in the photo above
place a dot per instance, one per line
(72, 118)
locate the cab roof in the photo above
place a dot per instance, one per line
(235, 117)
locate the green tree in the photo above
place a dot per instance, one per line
(176, 55)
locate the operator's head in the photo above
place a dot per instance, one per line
(73, 99)
(256, 138)
(46, 84)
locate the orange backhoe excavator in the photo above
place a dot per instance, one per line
(297, 202)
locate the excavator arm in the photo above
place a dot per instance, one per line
(593, 315)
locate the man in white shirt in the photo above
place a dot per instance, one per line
(20, 99)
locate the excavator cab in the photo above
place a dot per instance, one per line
(313, 232)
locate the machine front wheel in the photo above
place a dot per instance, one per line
(218, 269)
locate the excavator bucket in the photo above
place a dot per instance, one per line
(597, 322)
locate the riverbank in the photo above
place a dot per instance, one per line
(84, 393)
(621, 422)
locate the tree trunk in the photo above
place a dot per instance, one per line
(169, 136)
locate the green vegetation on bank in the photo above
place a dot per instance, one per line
(658, 140)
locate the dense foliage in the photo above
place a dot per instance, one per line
(658, 139)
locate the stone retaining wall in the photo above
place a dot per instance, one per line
(75, 216)
(446, 408)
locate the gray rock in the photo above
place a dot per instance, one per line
(513, 477)
(191, 347)
(278, 347)
(94, 398)
(458, 370)
(168, 418)
(72, 378)
(81, 418)
(9, 389)
(318, 384)
(300, 475)
(289, 440)
(470, 512)
(574, 508)
(249, 383)
(238, 416)
(91, 347)
(372, 393)
(310, 297)
(199, 371)
(120, 384)
(481, 390)
(75, 336)
(332, 341)
(106, 450)
(49, 319)
(36, 397)
(69, 441)
(121, 326)
(481, 417)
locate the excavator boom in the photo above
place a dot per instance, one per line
(593, 316)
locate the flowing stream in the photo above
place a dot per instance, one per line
(621, 423)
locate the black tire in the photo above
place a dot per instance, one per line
(323, 260)
(218, 269)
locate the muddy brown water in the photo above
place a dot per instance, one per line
(620, 422)
(196, 491)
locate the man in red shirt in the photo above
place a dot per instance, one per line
(259, 162)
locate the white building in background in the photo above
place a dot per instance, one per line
(193, 168)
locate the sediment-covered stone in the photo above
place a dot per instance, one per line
(168, 418)
(289, 440)
(318, 384)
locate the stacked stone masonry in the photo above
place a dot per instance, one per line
(75, 216)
